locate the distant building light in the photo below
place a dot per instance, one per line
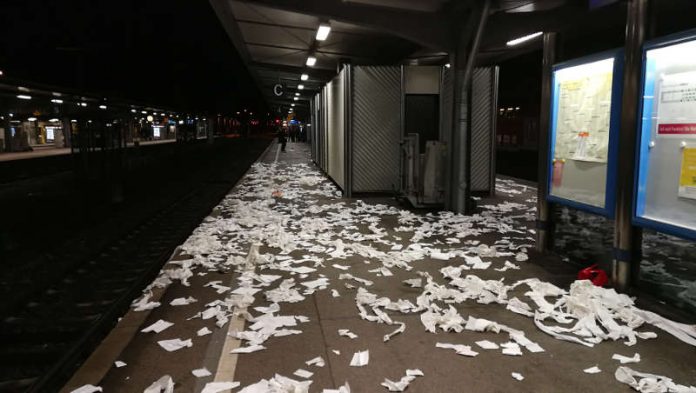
(83, 104)
(323, 32)
(133, 111)
(1, 73)
(181, 122)
(31, 119)
(73, 121)
(297, 94)
(448, 65)
(517, 108)
(294, 98)
(56, 101)
(102, 106)
(526, 38)
(304, 77)
(143, 112)
(150, 118)
(23, 97)
(311, 61)
(292, 104)
(54, 120)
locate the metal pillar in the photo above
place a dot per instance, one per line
(627, 239)
(544, 227)
(459, 190)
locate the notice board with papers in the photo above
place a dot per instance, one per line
(666, 160)
(585, 111)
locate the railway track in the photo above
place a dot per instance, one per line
(46, 339)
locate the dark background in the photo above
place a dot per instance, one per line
(162, 52)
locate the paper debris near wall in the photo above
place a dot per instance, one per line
(518, 376)
(87, 389)
(317, 361)
(402, 384)
(119, 364)
(201, 372)
(157, 327)
(303, 373)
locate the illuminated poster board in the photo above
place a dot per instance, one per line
(586, 101)
(156, 132)
(666, 167)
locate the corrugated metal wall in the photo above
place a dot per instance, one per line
(482, 128)
(335, 129)
(376, 128)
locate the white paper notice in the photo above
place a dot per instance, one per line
(87, 389)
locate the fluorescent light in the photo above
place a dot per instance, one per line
(526, 38)
(311, 61)
(448, 65)
(56, 101)
(0, 72)
(83, 104)
(143, 112)
(133, 111)
(292, 104)
(73, 121)
(102, 106)
(23, 97)
(300, 87)
(297, 94)
(323, 32)
(295, 98)
(304, 77)
(54, 120)
(31, 119)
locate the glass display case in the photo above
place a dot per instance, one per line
(585, 112)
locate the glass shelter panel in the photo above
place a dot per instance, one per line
(581, 129)
(666, 186)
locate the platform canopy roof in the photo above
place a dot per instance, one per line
(275, 37)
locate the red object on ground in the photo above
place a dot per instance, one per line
(596, 275)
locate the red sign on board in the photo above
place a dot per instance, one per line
(677, 129)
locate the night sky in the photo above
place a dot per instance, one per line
(160, 52)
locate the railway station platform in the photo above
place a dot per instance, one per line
(287, 287)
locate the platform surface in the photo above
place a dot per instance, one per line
(288, 206)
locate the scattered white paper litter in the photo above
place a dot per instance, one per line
(217, 387)
(347, 333)
(360, 359)
(517, 376)
(625, 359)
(317, 361)
(592, 370)
(182, 301)
(162, 385)
(485, 344)
(650, 383)
(88, 389)
(175, 344)
(303, 373)
(119, 364)
(343, 389)
(157, 327)
(201, 372)
(402, 384)
(203, 332)
(249, 349)
(460, 349)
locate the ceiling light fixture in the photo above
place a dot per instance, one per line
(526, 38)
(304, 77)
(295, 98)
(297, 94)
(23, 97)
(102, 106)
(300, 87)
(311, 61)
(56, 101)
(323, 32)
